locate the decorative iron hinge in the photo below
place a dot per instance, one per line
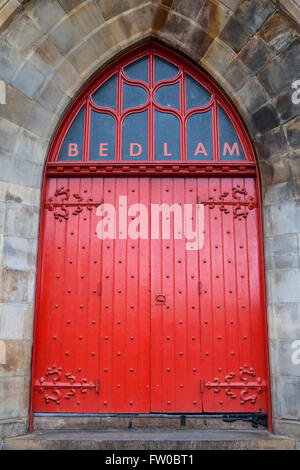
(241, 207)
(56, 386)
(245, 385)
(61, 207)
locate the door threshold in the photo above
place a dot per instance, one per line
(256, 419)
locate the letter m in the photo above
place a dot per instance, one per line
(235, 148)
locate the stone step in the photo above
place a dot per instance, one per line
(150, 439)
(44, 422)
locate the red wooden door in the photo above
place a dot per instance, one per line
(141, 324)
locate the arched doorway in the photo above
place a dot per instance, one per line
(151, 290)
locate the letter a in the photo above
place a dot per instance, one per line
(200, 149)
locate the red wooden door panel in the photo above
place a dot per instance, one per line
(233, 351)
(140, 325)
(175, 325)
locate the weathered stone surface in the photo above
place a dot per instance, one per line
(213, 17)
(84, 56)
(28, 80)
(51, 98)
(252, 95)
(22, 220)
(65, 36)
(87, 18)
(22, 34)
(67, 78)
(69, 5)
(16, 321)
(279, 193)
(29, 147)
(45, 57)
(45, 14)
(281, 167)
(8, 9)
(8, 132)
(10, 61)
(235, 34)
(284, 105)
(285, 285)
(12, 393)
(190, 10)
(150, 440)
(217, 57)
(16, 286)
(272, 143)
(112, 8)
(289, 59)
(254, 13)
(293, 133)
(18, 355)
(286, 253)
(232, 4)
(237, 74)
(198, 42)
(273, 77)
(289, 402)
(286, 321)
(17, 253)
(278, 32)
(254, 55)
(265, 118)
(283, 352)
(5, 166)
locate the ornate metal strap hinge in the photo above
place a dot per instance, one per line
(61, 207)
(241, 207)
(52, 383)
(245, 385)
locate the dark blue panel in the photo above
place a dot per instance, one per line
(103, 137)
(164, 69)
(196, 95)
(230, 146)
(135, 137)
(138, 70)
(71, 149)
(167, 137)
(133, 96)
(106, 95)
(168, 95)
(199, 137)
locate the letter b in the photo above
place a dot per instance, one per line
(73, 150)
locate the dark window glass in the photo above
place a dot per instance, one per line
(199, 137)
(167, 137)
(138, 70)
(230, 146)
(71, 149)
(133, 96)
(168, 95)
(135, 137)
(196, 95)
(103, 135)
(106, 95)
(164, 70)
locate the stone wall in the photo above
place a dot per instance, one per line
(49, 49)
